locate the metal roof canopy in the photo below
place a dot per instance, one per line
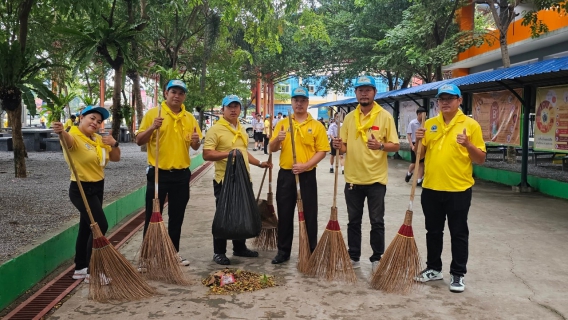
(544, 73)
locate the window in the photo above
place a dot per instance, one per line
(283, 88)
(311, 89)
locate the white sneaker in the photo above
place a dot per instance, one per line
(429, 275)
(104, 280)
(375, 265)
(182, 261)
(355, 264)
(456, 283)
(80, 274)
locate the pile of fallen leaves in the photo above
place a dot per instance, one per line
(231, 281)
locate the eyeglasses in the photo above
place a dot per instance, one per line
(446, 100)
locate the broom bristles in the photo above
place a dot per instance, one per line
(400, 263)
(330, 260)
(304, 251)
(112, 277)
(267, 239)
(158, 254)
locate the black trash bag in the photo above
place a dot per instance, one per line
(237, 216)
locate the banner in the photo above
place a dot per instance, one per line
(407, 114)
(499, 114)
(433, 110)
(551, 128)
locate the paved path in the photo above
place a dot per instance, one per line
(517, 266)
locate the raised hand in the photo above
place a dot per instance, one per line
(462, 139)
(373, 143)
(281, 134)
(195, 136)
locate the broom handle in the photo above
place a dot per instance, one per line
(262, 182)
(156, 156)
(270, 160)
(417, 162)
(336, 165)
(299, 194)
(74, 170)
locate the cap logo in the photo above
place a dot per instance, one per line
(299, 91)
(447, 87)
(364, 80)
(178, 83)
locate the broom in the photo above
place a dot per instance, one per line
(304, 250)
(158, 256)
(401, 261)
(330, 259)
(113, 278)
(268, 237)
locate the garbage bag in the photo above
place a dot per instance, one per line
(237, 216)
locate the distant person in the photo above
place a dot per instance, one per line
(266, 133)
(332, 132)
(226, 135)
(411, 136)
(276, 119)
(42, 122)
(69, 123)
(90, 154)
(258, 127)
(452, 142)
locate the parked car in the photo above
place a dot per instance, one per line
(248, 127)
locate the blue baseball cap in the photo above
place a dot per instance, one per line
(90, 109)
(300, 92)
(231, 98)
(176, 83)
(449, 89)
(365, 81)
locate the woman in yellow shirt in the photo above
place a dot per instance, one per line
(90, 154)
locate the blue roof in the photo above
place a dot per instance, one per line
(539, 73)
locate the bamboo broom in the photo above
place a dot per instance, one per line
(304, 250)
(330, 259)
(159, 258)
(268, 237)
(401, 261)
(113, 278)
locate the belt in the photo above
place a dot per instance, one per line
(169, 170)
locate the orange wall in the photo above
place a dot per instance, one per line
(516, 32)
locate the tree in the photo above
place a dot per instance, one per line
(503, 13)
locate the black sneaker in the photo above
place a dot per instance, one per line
(246, 253)
(342, 171)
(330, 170)
(254, 149)
(456, 283)
(221, 258)
(280, 258)
(407, 178)
(419, 182)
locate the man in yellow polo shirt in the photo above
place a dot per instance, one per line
(178, 131)
(226, 135)
(367, 134)
(311, 147)
(452, 142)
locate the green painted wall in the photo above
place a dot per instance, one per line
(43, 259)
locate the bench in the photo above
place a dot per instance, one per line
(6, 144)
(565, 163)
(543, 156)
(52, 144)
(496, 149)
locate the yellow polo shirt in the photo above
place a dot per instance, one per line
(220, 138)
(68, 124)
(364, 166)
(447, 166)
(86, 161)
(174, 142)
(312, 139)
(266, 127)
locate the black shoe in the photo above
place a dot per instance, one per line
(221, 258)
(246, 253)
(342, 171)
(280, 258)
(407, 178)
(419, 183)
(330, 170)
(254, 149)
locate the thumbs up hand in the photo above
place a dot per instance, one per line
(195, 136)
(281, 134)
(374, 144)
(462, 139)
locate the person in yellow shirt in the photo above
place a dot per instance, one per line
(42, 122)
(266, 132)
(69, 123)
(178, 131)
(226, 135)
(452, 141)
(90, 154)
(367, 134)
(312, 145)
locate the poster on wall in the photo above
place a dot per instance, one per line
(499, 114)
(551, 127)
(407, 114)
(433, 110)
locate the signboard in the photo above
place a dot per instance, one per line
(551, 127)
(433, 110)
(499, 114)
(407, 114)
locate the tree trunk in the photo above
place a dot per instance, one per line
(116, 117)
(15, 120)
(504, 51)
(137, 97)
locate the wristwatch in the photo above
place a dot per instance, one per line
(116, 145)
(382, 147)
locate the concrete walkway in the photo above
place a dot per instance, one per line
(517, 265)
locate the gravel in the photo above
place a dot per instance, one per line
(39, 205)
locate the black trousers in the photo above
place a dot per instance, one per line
(355, 199)
(84, 245)
(286, 202)
(266, 140)
(220, 245)
(174, 184)
(437, 205)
